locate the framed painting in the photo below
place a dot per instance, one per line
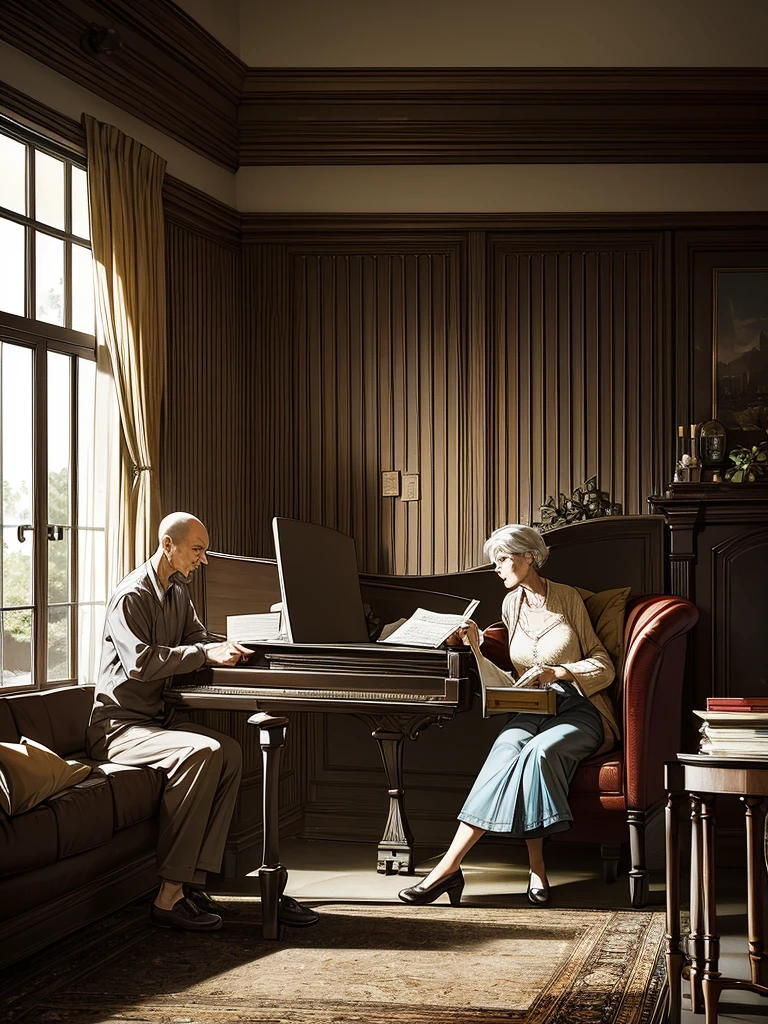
(740, 348)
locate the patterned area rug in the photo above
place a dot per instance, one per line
(360, 965)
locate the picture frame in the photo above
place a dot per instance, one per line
(740, 347)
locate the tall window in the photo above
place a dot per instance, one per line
(52, 580)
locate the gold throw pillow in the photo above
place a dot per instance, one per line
(607, 613)
(30, 772)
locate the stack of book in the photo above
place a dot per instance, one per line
(735, 727)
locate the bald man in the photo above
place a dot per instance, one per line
(151, 633)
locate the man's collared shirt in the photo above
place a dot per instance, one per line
(149, 636)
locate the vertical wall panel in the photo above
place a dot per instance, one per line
(366, 374)
(203, 438)
(578, 342)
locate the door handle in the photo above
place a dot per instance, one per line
(55, 532)
(21, 530)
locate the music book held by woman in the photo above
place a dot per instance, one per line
(503, 694)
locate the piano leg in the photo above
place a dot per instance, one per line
(272, 874)
(396, 845)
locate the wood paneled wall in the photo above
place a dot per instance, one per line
(359, 361)
(502, 368)
(580, 371)
(204, 413)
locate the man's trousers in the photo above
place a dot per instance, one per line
(202, 769)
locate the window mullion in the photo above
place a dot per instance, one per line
(40, 455)
(74, 558)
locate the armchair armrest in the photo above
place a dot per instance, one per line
(652, 679)
(496, 646)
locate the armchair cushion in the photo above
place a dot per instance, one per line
(607, 611)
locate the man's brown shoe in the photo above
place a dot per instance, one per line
(185, 916)
(202, 900)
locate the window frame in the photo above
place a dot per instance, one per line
(42, 338)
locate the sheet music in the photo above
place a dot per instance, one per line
(428, 629)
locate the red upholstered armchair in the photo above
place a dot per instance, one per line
(618, 790)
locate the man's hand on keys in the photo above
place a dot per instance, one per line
(229, 652)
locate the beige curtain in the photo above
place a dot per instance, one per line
(125, 181)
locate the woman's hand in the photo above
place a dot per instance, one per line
(546, 674)
(467, 634)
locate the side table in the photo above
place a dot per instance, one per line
(699, 778)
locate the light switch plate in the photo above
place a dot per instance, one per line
(390, 483)
(410, 487)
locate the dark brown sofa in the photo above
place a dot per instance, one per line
(84, 851)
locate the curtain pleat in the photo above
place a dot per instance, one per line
(125, 193)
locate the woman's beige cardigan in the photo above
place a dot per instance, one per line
(583, 655)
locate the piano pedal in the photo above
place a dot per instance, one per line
(395, 862)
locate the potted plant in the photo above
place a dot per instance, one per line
(750, 463)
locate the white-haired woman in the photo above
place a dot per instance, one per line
(522, 789)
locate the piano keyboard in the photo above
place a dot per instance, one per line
(276, 692)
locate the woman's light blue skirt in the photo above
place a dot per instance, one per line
(522, 788)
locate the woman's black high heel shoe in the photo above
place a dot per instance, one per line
(453, 884)
(537, 897)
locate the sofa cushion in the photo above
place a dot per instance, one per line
(28, 841)
(136, 792)
(84, 816)
(8, 731)
(56, 718)
(30, 772)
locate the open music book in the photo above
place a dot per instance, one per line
(425, 628)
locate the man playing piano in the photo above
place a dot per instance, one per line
(151, 633)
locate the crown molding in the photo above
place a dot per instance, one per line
(168, 71)
(256, 227)
(174, 75)
(498, 115)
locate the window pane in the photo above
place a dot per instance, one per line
(49, 279)
(13, 175)
(58, 570)
(17, 569)
(83, 316)
(16, 648)
(49, 190)
(87, 504)
(16, 433)
(59, 434)
(80, 223)
(11, 267)
(58, 643)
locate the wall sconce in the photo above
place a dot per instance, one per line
(101, 41)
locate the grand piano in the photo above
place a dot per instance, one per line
(397, 692)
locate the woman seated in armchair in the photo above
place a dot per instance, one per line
(522, 789)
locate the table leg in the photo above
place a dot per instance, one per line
(272, 874)
(675, 958)
(710, 982)
(755, 811)
(695, 936)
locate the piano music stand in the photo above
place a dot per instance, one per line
(272, 874)
(319, 584)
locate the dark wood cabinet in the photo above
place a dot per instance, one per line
(718, 558)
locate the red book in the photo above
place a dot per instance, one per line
(737, 703)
